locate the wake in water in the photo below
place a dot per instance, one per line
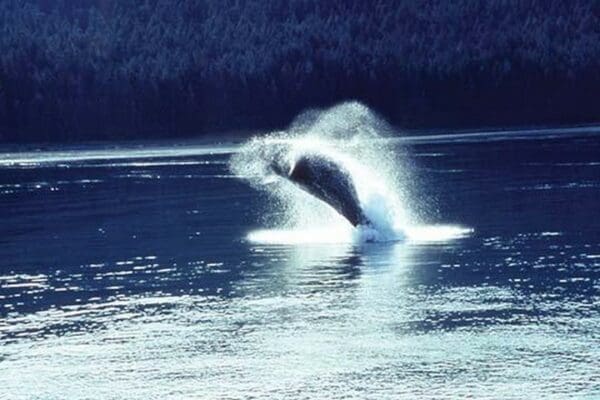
(331, 178)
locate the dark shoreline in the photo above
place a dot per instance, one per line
(74, 71)
(237, 137)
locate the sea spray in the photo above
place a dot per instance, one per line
(351, 135)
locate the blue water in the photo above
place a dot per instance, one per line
(127, 273)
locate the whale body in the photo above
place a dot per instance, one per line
(327, 180)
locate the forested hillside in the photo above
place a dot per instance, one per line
(90, 69)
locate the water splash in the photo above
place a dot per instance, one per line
(354, 137)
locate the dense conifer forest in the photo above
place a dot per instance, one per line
(99, 69)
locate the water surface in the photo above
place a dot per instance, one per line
(127, 274)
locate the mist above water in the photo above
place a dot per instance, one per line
(354, 137)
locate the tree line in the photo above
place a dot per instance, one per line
(95, 69)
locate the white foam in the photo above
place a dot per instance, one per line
(334, 235)
(436, 233)
(347, 235)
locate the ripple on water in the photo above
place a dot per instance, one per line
(189, 309)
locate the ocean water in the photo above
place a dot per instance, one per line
(158, 271)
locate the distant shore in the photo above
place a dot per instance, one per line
(13, 154)
(78, 71)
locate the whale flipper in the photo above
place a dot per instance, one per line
(328, 181)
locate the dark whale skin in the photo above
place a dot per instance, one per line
(328, 181)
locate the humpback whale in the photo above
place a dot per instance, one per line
(326, 180)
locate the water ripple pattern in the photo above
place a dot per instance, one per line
(133, 277)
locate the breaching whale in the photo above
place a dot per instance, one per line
(325, 179)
